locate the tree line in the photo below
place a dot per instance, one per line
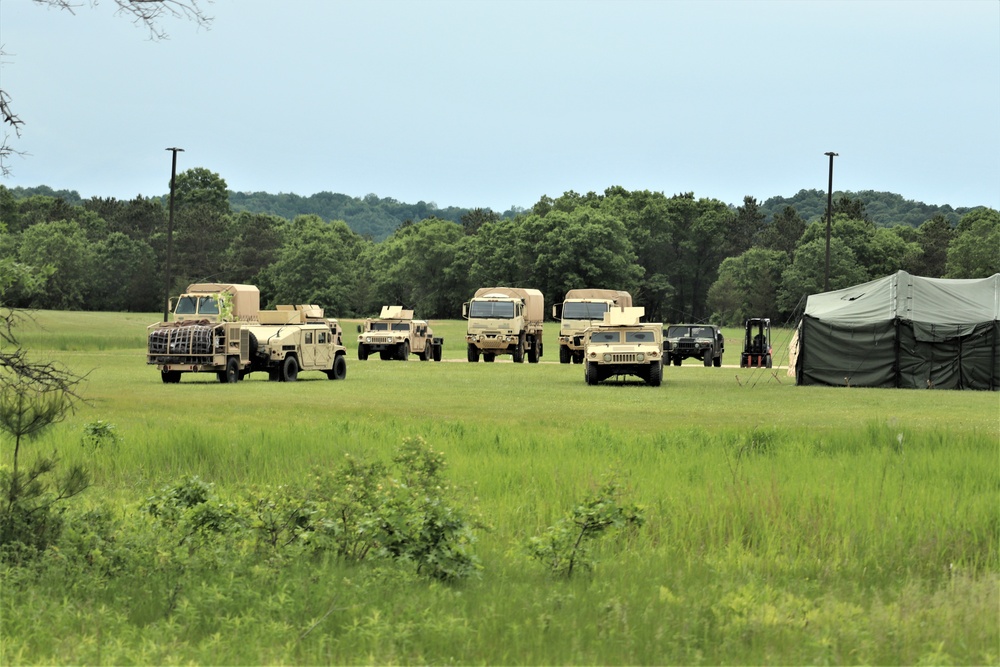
(681, 257)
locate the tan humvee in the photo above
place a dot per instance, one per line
(394, 334)
(580, 310)
(622, 345)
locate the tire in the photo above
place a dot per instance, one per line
(473, 353)
(386, 355)
(362, 352)
(564, 354)
(590, 374)
(578, 357)
(290, 369)
(534, 351)
(232, 373)
(655, 374)
(339, 370)
(170, 377)
(677, 360)
(767, 361)
(428, 351)
(253, 346)
(717, 362)
(437, 352)
(274, 375)
(518, 353)
(489, 357)
(708, 360)
(403, 353)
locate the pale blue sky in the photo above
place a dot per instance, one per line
(494, 104)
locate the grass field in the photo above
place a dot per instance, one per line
(783, 524)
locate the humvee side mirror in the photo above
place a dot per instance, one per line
(359, 328)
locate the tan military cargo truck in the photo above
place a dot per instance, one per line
(504, 320)
(580, 310)
(394, 334)
(219, 328)
(622, 345)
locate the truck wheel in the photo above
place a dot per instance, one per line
(578, 357)
(170, 377)
(564, 354)
(590, 373)
(437, 352)
(473, 353)
(404, 351)
(362, 352)
(533, 352)
(232, 373)
(290, 369)
(655, 375)
(339, 370)
(488, 357)
(518, 353)
(677, 360)
(708, 360)
(274, 375)
(428, 351)
(717, 362)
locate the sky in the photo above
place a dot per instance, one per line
(494, 104)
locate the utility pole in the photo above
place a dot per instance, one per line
(829, 214)
(170, 233)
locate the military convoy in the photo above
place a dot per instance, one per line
(580, 310)
(219, 328)
(504, 320)
(623, 345)
(704, 342)
(394, 334)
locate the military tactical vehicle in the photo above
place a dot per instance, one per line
(756, 343)
(622, 345)
(504, 320)
(394, 334)
(580, 309)
(219, 328)
(700, 341)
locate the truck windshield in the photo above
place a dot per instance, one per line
(400, 326)
(191, 305)
(640, 337)
(606, 337)
(379, 326)
(492, 309)
(584, 311)
(678, 332)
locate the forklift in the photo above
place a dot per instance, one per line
(756, 343)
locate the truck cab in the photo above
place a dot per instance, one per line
(504, 320)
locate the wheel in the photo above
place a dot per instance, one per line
(339, 370)
(170, 377)
(362, 352)
(534, 352)
(564, 354)
(676, 360)
(590, 373)
(274, 375)
(232, 372)
(290, 369)
(655, 374)
(404, 351)
(578, 357)
(518, 353)
(708, 360)
(437, 352)
(252, 345)
(767, 361)
(717, 362)
(385, 355)
(488, 357)
(428, 352)
(473, 353)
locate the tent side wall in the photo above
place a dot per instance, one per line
(846, 354)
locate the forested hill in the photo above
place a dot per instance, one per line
(378, 217)
(885, 209)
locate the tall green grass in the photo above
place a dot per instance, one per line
(784, 524)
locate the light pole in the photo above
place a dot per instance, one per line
(170, 232)
(829, 213)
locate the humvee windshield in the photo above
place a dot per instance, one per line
(379, 326)
(678, 332)
(640, 337)
(492, 309)
(584, 311)
(606, 337)
(200, 305)
(400, 326)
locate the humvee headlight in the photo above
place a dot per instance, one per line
(368, 339)
(640, 357)
(607, 356)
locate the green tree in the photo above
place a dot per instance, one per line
(254, 243)
(745, 227)
(125, 276)
(747, 286)
(202, 188)
(784, 232)
(63, 246)
(806, 274)
(934, 237)
(975, 250)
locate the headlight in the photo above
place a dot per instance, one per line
(607, 356)
(640, 357)
(368, 339)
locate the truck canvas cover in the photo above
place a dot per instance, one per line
(903, 331)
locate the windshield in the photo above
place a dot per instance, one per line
(190, 305)
(400, 326)
(584, 311)
(379, 326)
(606, 337)
(640, 337)
(492, 309)
(678, 332)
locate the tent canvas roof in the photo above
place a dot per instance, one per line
(913, 298)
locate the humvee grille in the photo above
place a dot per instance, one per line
(623, 358)
(381, 340)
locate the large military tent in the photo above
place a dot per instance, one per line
(903, 331)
